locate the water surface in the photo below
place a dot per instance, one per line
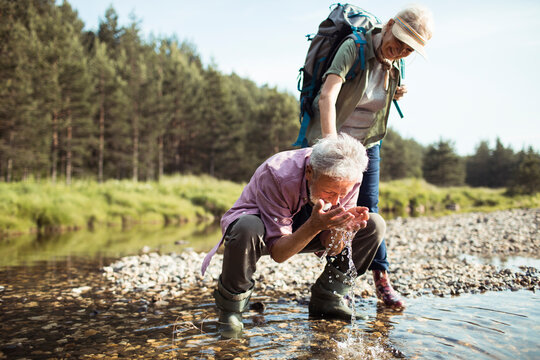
(55, 303)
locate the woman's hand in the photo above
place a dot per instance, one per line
(400, 91)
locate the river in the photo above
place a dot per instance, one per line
(55, 303)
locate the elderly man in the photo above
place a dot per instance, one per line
(292, 204)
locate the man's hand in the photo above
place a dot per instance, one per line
(327, 220)
(361, 216)
(400, 91)
(332, 241)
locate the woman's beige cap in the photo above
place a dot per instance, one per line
(405, 32)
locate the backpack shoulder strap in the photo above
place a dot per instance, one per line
(358, 35)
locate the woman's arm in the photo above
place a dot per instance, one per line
(327, 104)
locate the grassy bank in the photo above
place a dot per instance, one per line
(47, 207)
(416, 197)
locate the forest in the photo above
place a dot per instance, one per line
(112, 104)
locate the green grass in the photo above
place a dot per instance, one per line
(46, 207)
(416, 197)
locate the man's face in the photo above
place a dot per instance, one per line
(329, 189)
(392, 48)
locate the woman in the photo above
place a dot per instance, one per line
(360, 107)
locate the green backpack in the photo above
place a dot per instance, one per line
(345, 21)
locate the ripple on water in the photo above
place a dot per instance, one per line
(44, 317)
(482, 326)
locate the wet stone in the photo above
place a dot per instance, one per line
(257, 306)
(426, 257)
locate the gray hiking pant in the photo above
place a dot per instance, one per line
(244, 245)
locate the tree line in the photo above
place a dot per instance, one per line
(109, 104)
(439, 164)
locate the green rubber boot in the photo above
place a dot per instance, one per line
(230, 308)
(327, 295)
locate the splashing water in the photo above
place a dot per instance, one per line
(354, 345)
(356, 348)
(338, 236)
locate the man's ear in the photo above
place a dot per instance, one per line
(309, 172)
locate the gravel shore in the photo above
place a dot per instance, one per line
(446, 256)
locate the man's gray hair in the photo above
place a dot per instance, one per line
(340, 157)
(420, 18)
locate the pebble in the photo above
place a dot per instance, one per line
(444, 256)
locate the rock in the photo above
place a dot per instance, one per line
(429, 256)
(257, 306)
(80, 290)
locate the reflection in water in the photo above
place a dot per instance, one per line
(61, 309)
(108, 242)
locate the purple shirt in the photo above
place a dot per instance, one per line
(276, 192)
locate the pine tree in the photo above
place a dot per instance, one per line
(133, 71)
(110, 33)
(527, 176)
(73, 106)
(442, 166)
(152, 119)
(23, 120)
(503, 163)
(116, 132)
(105, 95)
(400, 158)
(15, 89)
(181, 100)
(478, 166)
(214, 130)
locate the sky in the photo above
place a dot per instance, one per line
(480, 81)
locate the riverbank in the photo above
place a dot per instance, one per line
(46, 207)
(445, 256)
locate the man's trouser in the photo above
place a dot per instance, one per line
(244, 245)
